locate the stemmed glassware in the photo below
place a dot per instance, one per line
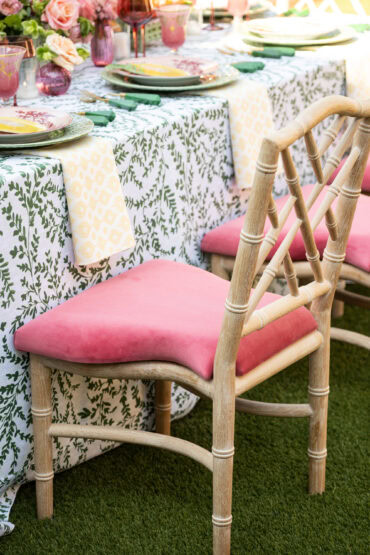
(135, 13)
(10, 63)
(212, 25)
(237, 8)
(173, 20)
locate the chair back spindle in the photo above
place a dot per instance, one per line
(242, 315)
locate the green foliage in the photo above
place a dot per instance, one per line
(13, 22)
(38, 6)
(83, 53)
(33, 29)
(86, 27)
(45, 54)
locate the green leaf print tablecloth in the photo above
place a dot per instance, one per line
(176, 170)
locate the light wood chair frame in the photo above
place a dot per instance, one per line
(240, 319)
(222, 265)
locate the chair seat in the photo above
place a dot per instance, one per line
(161, 310)
(225, 238)
(365, 186)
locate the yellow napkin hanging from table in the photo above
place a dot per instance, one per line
(250, 117)
(100, 223)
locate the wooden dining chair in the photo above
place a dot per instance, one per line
(222, 242)
(167, 321)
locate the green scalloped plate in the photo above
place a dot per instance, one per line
(80, 127)
(228, 74)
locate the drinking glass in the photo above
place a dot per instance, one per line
(135, 13)
(10, 62)
(212, 25)
(237, 8)
(173, 20)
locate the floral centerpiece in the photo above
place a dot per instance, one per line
(54, 24)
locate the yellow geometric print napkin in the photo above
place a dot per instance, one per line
(250, 117)
(97, 211)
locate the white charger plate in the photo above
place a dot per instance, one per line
(344, 35)
(297, 28)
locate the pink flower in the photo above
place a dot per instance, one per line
(67, 55)
(10, 7)
(87, 9)
(61, 14)
(106, 9)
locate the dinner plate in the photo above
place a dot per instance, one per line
(78, 128)
(343, 35)
(53, 122)
(297, 28)
(226, 75)
(193, 69)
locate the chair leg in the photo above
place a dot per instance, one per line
(163, 407)
(337, 310)
(217, 267)
(41, 412)
(318, 392)
(223, 457)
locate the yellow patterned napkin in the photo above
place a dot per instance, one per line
(99, 220)
(250, 117)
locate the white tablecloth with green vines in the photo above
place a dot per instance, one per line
(175, 166)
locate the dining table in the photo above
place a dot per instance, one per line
(176, 170)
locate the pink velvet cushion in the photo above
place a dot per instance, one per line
(224, 239)
(365, 182)
(160, 310)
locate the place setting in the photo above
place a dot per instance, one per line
(172, 73)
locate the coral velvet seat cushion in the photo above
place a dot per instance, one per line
(365, 186)
(225, 238)
(161, 310)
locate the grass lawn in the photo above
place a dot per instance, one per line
(139, 500)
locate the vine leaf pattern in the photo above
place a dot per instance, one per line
(175, 166)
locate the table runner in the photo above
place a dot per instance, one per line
(97, 211)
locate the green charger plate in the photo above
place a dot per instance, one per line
(80, 127)
(228, 74)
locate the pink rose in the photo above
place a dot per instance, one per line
(67, 55)
(10, 7)
(61, 14)
(87, 9)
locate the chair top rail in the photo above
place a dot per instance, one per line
(313, 115)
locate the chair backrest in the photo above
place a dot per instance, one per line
(241, 316)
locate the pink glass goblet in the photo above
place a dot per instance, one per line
(10, 62)
(237, 8)
(173, 20)
(212, 25)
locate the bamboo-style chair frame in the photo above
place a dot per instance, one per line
(222, 265)
(240, 318)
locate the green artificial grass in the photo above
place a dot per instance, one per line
(139, 500)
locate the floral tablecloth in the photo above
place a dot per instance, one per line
(175, 167)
